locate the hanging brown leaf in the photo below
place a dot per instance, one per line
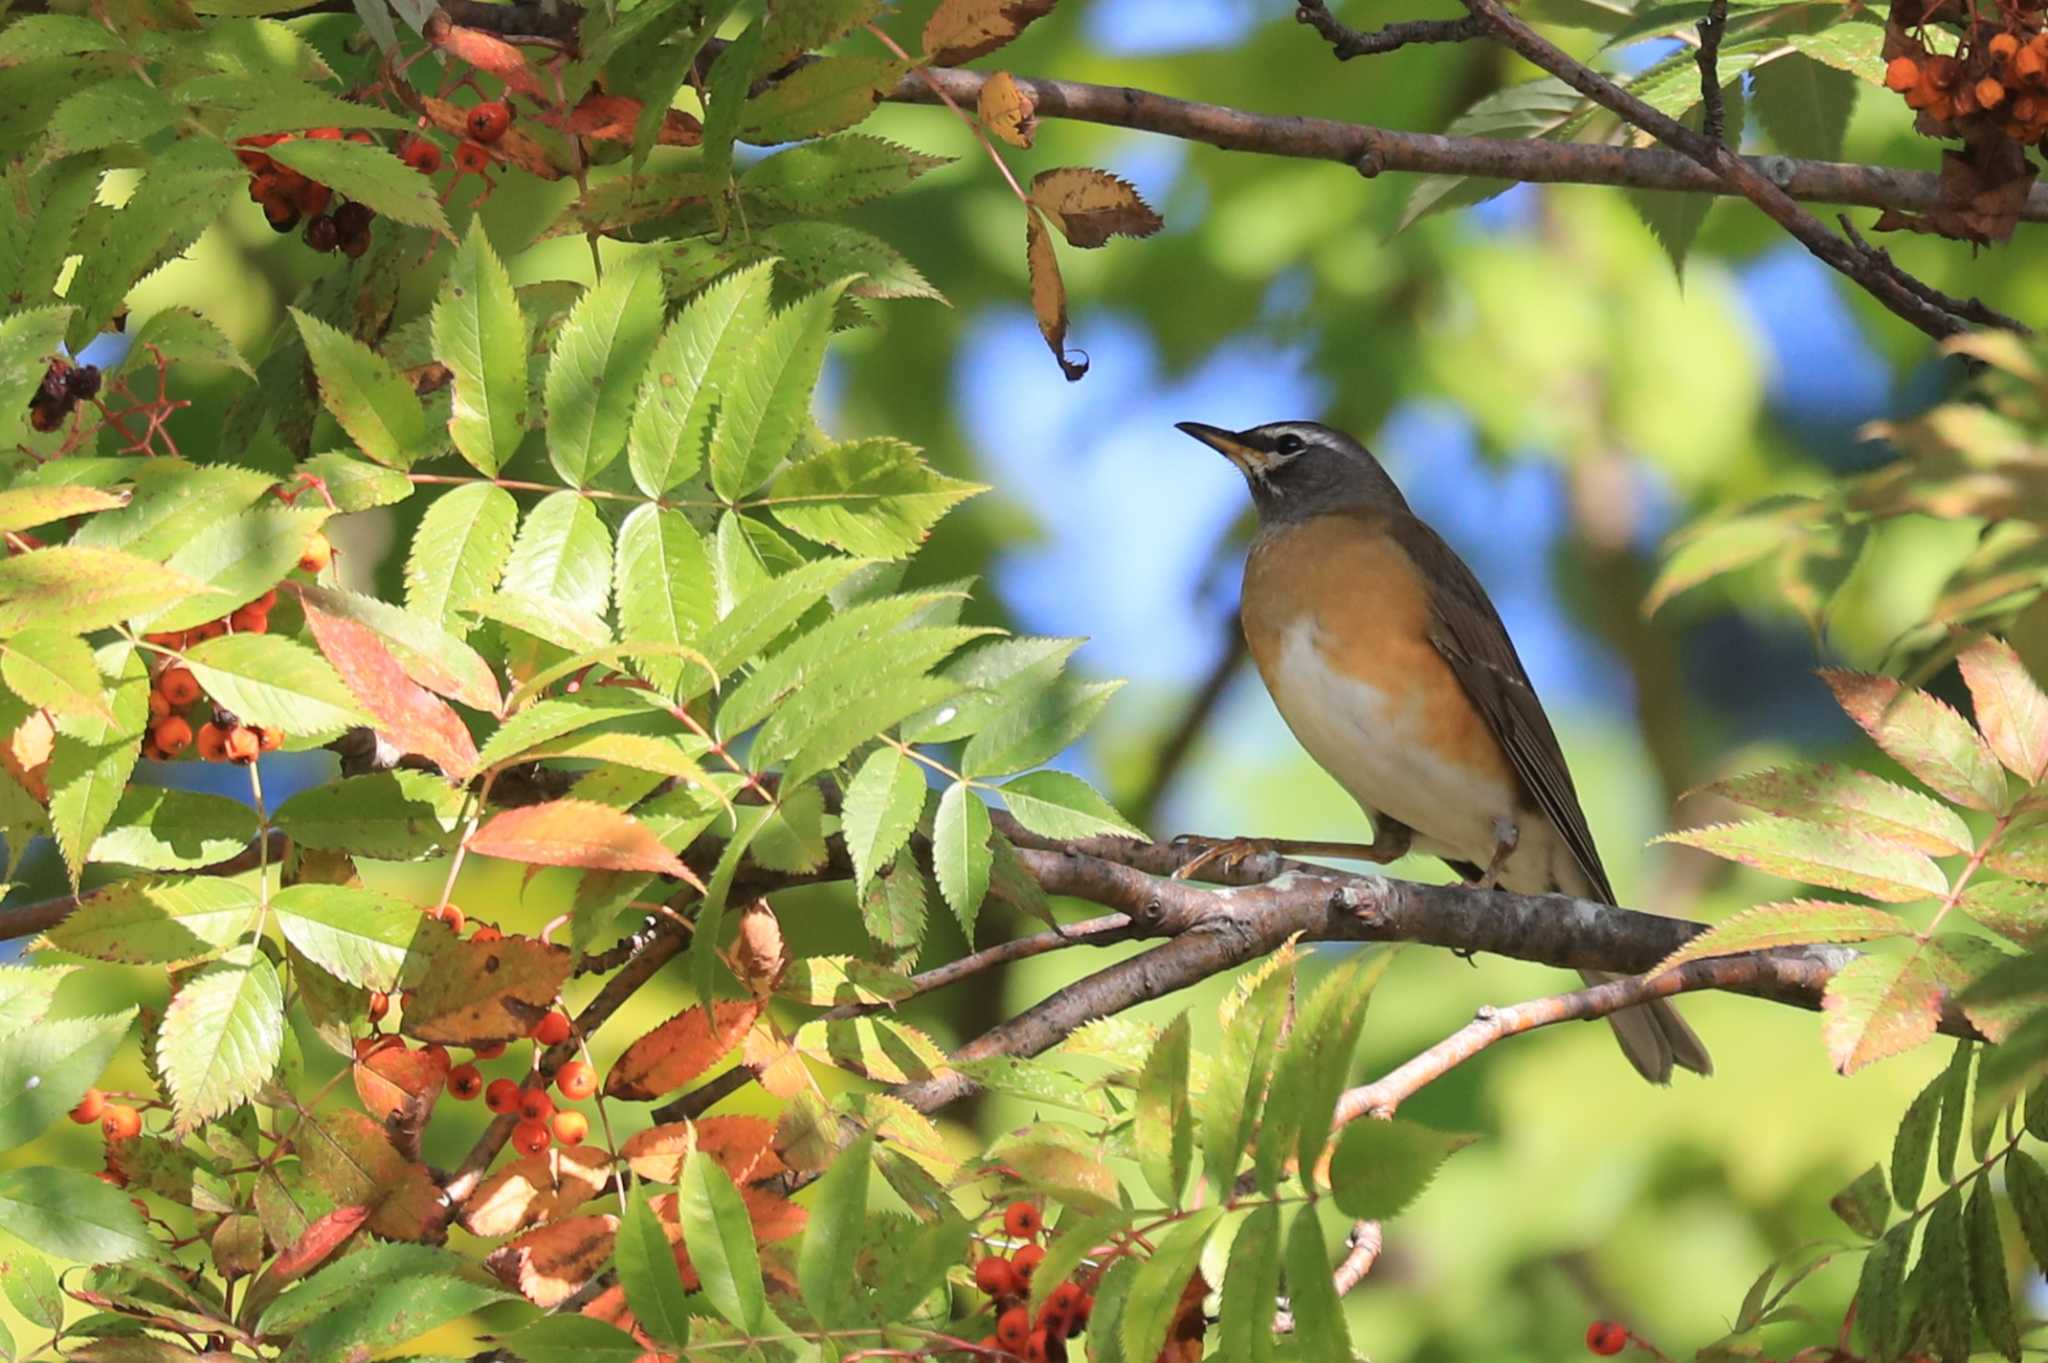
(1090, 206)
(679, 1050)
(577, 833)
(399, 1086)
(346, 1155)
(773, 1217)
(1983, 189)
(776, 1064)
(742, 1146)
(543, 1187)
(486, 52)
(408, 716)
(1008, 110)
(1049, 294)
(549, 1265)
(473, 992)
(961, 30)
(613, 118)
(759, 955)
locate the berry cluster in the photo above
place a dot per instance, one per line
(64, 386)
(176, 697)
(1007, 1281)
(485, 125)
(1998, 84)
(288, 197)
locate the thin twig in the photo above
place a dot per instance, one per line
(1715, 118)
(1973, 308)
(1347, 42)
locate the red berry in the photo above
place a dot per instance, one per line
(172, 736)
(89, 1107)
(422, 155)
(576, 1080)
(490, 1050)
(317, 554)
(488, 121)
(552, 1029)
(280, 212)
(179, 686)
(449, 914)
(120, 1122)
(465, 1082)
(994, 1276)
(1606, 1337)
(213, 743)
(502, 1096)
(1038, 1348)
(485, 932)
(380, 1004)
(535, 1105)
(1065, 1298)
(570, 1128)
(1025, 1261)
(471, 158)
(530, 1137)
(242, 745)
(1013, 1328)
(1022, 1221)
(324, 135)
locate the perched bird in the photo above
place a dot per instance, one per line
(1393, 669)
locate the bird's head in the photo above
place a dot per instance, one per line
(1298, 469)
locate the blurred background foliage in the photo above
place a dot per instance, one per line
(1558, 402)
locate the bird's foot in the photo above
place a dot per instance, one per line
(1228, 854)
(1507, 835)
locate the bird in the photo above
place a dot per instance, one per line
(1389, 662)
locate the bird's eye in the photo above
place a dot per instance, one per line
(1288, 444)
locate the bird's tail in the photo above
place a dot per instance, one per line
(1654, 1037)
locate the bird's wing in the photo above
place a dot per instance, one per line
(1467, 631)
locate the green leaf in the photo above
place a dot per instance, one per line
(1318, 1314)
(1035, 728)
(1940, 1283)
(157, 922)
(1251, 1285)
(663, 584)
(764, 613)
(814, 254)
(32, 1286)
(459, 550)
(1235, 1095)
(274, 683)
(892, 908)
(1675, 218)
(171, 501)
(2027, 1186)
(45, 1070)
(2011, 709)
(1058, 804)
(821, 97)
(482, 336)
(879, 810)
(648, 1272)
(1855, 46)
(1955, 1097)
(92, 760)
(53, 669)
(1155, 1293)
(1845, 798)
(870, 638)
(1911, 1144)
(239, 556)
(1323, 1044)
(1380, 1166)
(960, 852)
(766, 401)
(1796, 922)
(356, 484)
(222, 1035)
(158, 829)
(872, 497)
(2014, 909)
(697, 358)
(1163, 1123)
(1804, 106)
(545, 721)
(1924, 736)
(1880, 1006)
(25, 994)
(339, 1282)
(388, 1313)
(832, 1237)
(573, 1339)
(356, 935)
(71, 1216)
(183, 188)
(369, 399)
(390, 815)
(88, 589)
(1077, 1240)
(1865, 1203)
(720, 1239)
(106, 115)
(367, 173)
(1880, 1289)
(835, 173)
(1808, 852)
(1532, 109)
(563, 554)
(1989, 1286)
(598, 355)
(725, 96)
(24, 508)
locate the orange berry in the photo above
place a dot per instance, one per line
(111, 1177)
(994, 1276)
(1944, 72)
(438, 1054)
(502, 1096)
(485, 932)
(89, 1107)
(212, 629)
(1038, 1348)
(1064, 1298)
(1025, 1261)
(422, 155)
(120, 1122)
(552, 1029)
(1606, 1337)
(179, 686)
(171, 736)
(1013, 1328)
(535, 1105)
(488, 121)
(530, 1138)
(1990, 94)
(2030, 62)
(1022, 1221)
(317, 554)
(249, 620)
(490, 1050)
(471, 158)
(159, 704)
(1901, 74)
(269, 740)
(266, 602)
(212, 741)
(465, 1082)
(2003, 46)
(380, 1004)
(570, 1128)
(576, 1080)
(447, 913)
(242, 745)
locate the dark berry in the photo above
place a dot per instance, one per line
(322, 235)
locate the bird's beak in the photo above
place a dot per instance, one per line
(1227, 443)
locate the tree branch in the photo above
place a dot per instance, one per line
(1715, 118)
(1347, 42)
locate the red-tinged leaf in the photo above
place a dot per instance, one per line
(578, 833)
(743, 1146)
(408, 716)
(611, 118)
(399, 1086)
(1924, 736)
(679, 1050)
(348, 1157)
(1961, 961)
(2012, 711)
(1793, 923)
(430, 655)
(1091, 206)
(2014, 909)
(1842, 797)
(538, 1188)
(470, 993)
(961, 30)
(487, 52)
(1798, 850)
(772, 1216)
(320, 1239)
(2022, 852)
(1880, 1006)
(549, 1265)
(1008, 110)
(1049, 294)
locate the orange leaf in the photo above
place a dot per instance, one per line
(777, 1065)
(612, 118)
(961, 30)
(577, 833)
(486, 52)
(1091, 206)
(399, 1085)
(539, 1188)
(553, 1263)
(610, 1307)
(411, 717)
(464, 677)
(774, 1217)
(742, 1146)
(470, 992)
(679, 1050)
(1008, 110)
(1049, 294)
(315, 1243)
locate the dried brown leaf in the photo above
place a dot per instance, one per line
(1008, 110)
(513, 148)
(549, 1265)
(961, 30)
(399, 1087)
(474, 992)
(1049, 294)
(1090, 206)
(742, 1146)
(543, 1187)
(679, 1050)
(759, 955)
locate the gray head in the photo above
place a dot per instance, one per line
(1298, 469)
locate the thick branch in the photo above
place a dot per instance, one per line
(1376, 149)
